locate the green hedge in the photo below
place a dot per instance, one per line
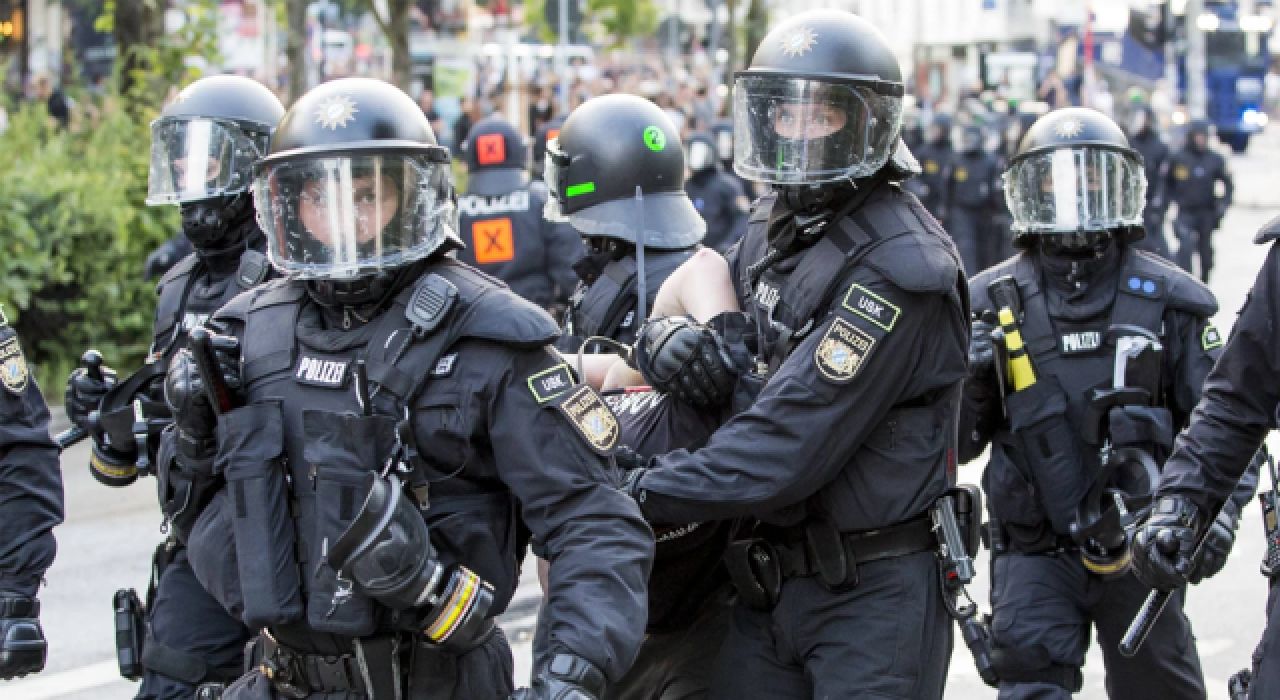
(76, 233)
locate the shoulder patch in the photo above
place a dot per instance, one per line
(550, 383)
(13, 367)
(871, 306)
(843, 351)
(1210, 338)
(591, 418)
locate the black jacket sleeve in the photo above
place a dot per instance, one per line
(599, 546)
(564, 247)
(30, 476)
(1237, 408)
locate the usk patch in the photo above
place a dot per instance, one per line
(550, 383)
(593, 420)
(13, 367)
(843, 351)
(1211, 338)
(316, 371)
(871, 306)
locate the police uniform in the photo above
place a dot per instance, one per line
(718, 197)
(401, 427)
(31, 504)
(1118, 343)
(190, 639)
(1229, 424)
(501, 219)
(1155, 161)
(1190, 183)
(935, 156)
(970, 189)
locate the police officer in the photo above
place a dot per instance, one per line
(717, 196)
(30, 507)
(722, 131)
(1230, 423)
(618, 143)
(603, 206)
(1119, 344)
(935, 159)
(969, 197)
(546, 132)
(1144, 136)
(1194, 174)
(861, 315)
(1015, 127)
(394, 426)
(166, 256)
(502, 223)
(203, 148)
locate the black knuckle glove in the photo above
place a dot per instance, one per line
(982, 351)
(1164, 545)
(185, 393)
(84, 394)
(227, 349)
(23, 648)
(568, 677)
(686, 359)
(1217, 544)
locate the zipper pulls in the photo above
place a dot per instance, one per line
(346, 318)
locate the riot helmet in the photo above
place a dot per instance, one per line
(968, 139)
(546, 132)
(820, 103)
(702, 153)
(1075, 181)
(607, 148)
(1143, 121)
(496, 158)
(204, 145)
(354, 188)
(939, 131)
(1014, 129)
(722, 132)
(1198, 135)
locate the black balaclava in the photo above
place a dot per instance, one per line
(352, 303)
(600, 252)
(1080, 280)
(212, 224)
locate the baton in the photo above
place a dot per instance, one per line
(92, 362)
(1154, 605)
(200, 344)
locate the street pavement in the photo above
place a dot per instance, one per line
(108, 538)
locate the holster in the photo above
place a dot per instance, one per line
(131, 625)
(372, 671)
(754, 569)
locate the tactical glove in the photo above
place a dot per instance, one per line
(186, 394)
(568, 677)
(84, 394)
(22, 645)
(686, 359)
(1217, 544)
(982, 351)
(1164, 545)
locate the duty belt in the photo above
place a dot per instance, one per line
(798, 559)
(371, 671)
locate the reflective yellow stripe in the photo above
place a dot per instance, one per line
(118, 472)
(457, 605)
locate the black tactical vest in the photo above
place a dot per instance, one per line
(1041, 464)
(302, 448)
(607, 308)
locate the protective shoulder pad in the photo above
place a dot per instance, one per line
(277, 291)
(178, 271)
(1186, 293)
(1269, 232)
(488, 309)
(918, 256)
(978, 284)
(237, 309)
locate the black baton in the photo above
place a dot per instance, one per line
(1154, 605)
(200, 344)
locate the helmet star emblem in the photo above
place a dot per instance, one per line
(799, 42)
(336, 111)
(1069, 128)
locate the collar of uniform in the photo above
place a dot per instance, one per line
(1079, 289)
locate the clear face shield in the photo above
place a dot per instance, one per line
(701, 156)
(555, 170)
(344, 216)
(1076, 190)
(724, 145)
(196, 159)
(796, 130)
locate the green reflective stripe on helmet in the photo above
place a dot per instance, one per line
(584, 188)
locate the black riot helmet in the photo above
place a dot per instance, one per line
(496, 158)
(204, 145)
(939, 131)
(355, 188)
(546, 132)
(1075, 179)
(820, 103)
(722, 132)
(607, 148)
(968, 139)
(702, 155)
(1143, 121)
(1198, 127)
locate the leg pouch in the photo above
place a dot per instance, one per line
(251, 458)
(341, 448)
(212, 554)
(1038, 416)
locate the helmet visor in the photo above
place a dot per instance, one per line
(195, 159)
(701, 156)
(799, 130)
(1076, 189)
(343, 216)
(555, 171)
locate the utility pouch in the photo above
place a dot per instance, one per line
(1144, 427)
(130, 631)
(756, 573)
(212, 554)
(1038, 416)
(342, 449)
(251, 458)
(836, 569)
(1271, 528)
(968, 504)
